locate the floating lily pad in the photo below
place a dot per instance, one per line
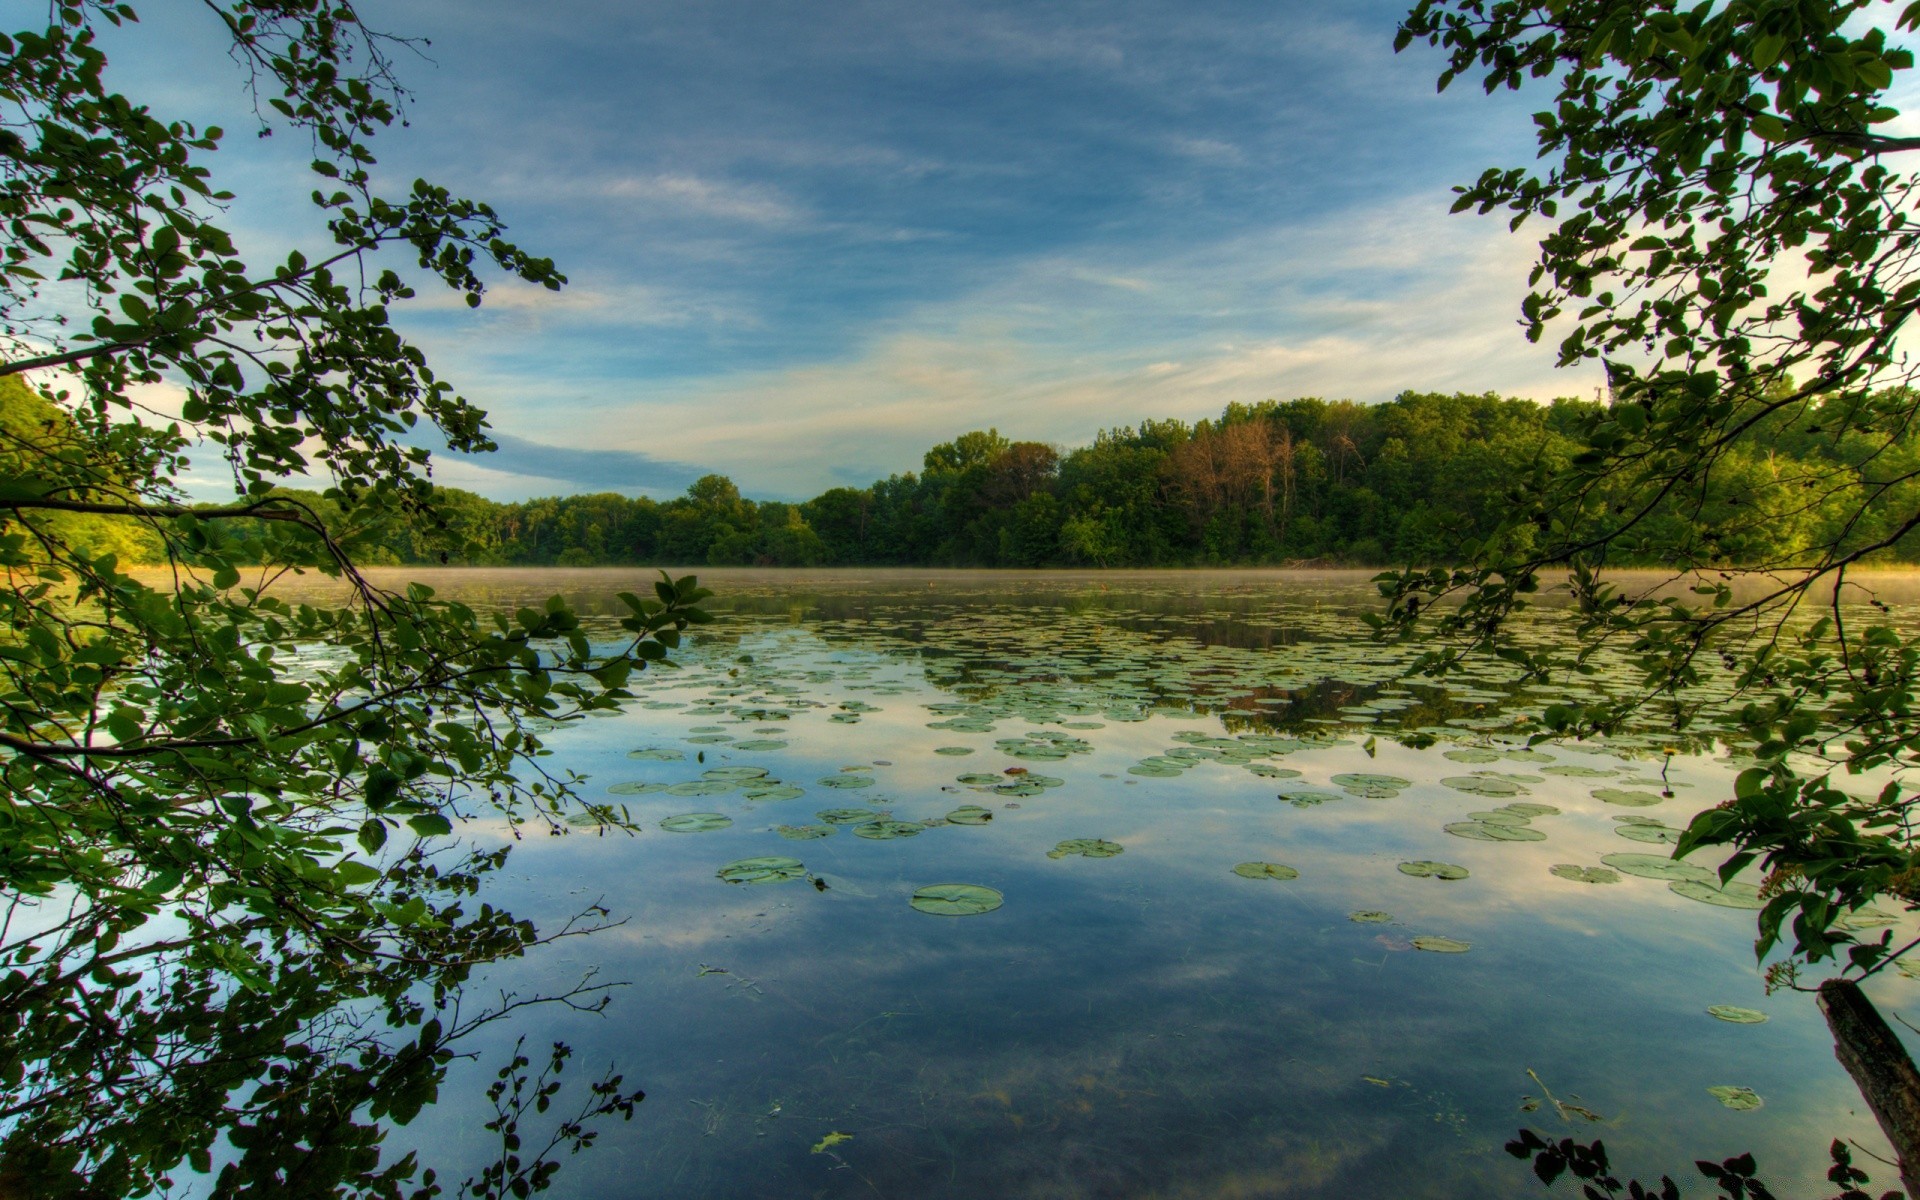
(970, 814)
(1428, 869)
(710, 739)
(1739, 1099)
(1584, 874)
(978, 779)
(1735, 1014)
(771, 869)
(1733, 895)
(1308, 799)
(1482, 831)
(1441, 945)
(956, 899)
(847, 816)
(1500, 816)
(1656, 866)
(1154, 771)
(636, 789)
(760, 745)
(885, 830)
(774, 792)
(1579, 772)
(1269, 771)
(1654, 833)
(847, 781)
(701, 787)
(658, 754)
(1265, 870)
(1484, 785)
(1369, 916)
(734, 773)
(804, 833)
(1371, 787)
(696, 823)
(1470, 754)
(1529, 808)
(1622, 796)
(1086, 847)
(953, 751)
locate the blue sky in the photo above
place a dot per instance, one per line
(807, 240)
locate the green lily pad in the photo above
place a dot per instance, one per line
(956, 899)
(1470, 754)
(1579, 772)
(1739, 1099)
(701, 787)
(1371, 787)
(696, 823)
(1265, 870)
(1269, 771)
(1086, 847)
(886, 831)
(847, 816)
(770, 869)
(1662, 835)
(636, 789)
(1735, 1014)
(847, 781)
(1623, 796)
(1369, 916)
(734, 773)
(1154, 771)
(1528, 808)
(658, 754)
(1581, 874)
(1428, 869)
(760, 745)
(1656, 866)
(1482, 831)
(953, 751)
(774, 792)
(1308, 799)
(970, 814)
(1441, 945)
(1500, 816)
(978, 779)
(1484, 785)
(1733, 895)
(804, 833)
(710, 739)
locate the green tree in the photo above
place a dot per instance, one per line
(217, 807)
(1729, 231)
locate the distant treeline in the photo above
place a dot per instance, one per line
(1409, 481)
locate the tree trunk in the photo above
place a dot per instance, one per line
(1879, 1064)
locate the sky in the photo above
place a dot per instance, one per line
(807, 241)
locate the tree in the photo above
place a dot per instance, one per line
(1730, 233)
(221, 812)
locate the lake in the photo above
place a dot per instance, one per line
(1219, 932)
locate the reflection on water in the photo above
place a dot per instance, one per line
(1141, 1019)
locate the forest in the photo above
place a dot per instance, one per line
(1421, 479)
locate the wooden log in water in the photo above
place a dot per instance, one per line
(1881, 1068)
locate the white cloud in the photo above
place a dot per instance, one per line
(693, 194)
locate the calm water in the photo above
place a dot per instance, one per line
(1148, 1022)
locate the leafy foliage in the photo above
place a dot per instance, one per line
(1734, 1178)
(229, 916)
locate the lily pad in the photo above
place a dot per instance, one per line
(1441, 945)
(886, 831)
(1664, 835)
(635, 789)
(1529, 808)
(696, 823)
(804, 833)
(1739, 1099)
(1269, 771)
(770, 869)
(1656, 866)
(1371, 787)
(701, 787)
(736, 773)
(760, 745)
(1484, 785)
(970, 814)
(1733, 895)
(1579, 772)
(1369, 916)
(710, 739)
(658, 754)
(1428, 869)
(1265, 870)
(978, 779)
(1308, 799)
(1482, 831)
(1581, 874)
(956, 899)
(953, 751)
(772, 793)
(1735, 1014)
(1471, 754)
(1086, 847)
(1622, 796)
(847, 781)
(847, 816)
